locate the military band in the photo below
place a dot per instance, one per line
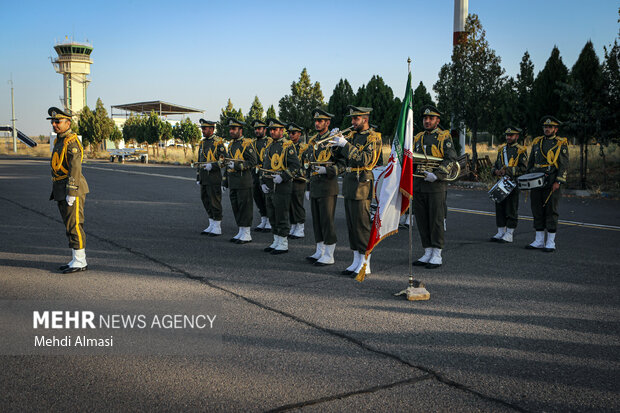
(261, 142)
(297, 210)
(209, 176)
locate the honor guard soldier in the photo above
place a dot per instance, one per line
(209, 176)
(511, 162)
(429, 193)
(237, 177)
(69, 187)
(280, 165)
(297, 211)
(360, 150)
(260, 143)
(549, 155)
(322, 172)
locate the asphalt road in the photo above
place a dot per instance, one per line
(506, 329)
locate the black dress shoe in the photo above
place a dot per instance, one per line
(321, 264)
(291, 236)
(548, 249)
(430, 266)
(493, 239)
(268, 249)
(347, 272)
(278, 252)
(419, 263)
(71, 270)
(501, 241)
(257, 229)
(233, 240)
(529, 247)
(241, 242)
(311, 259)
(205, 233)
(211, 234)
(63, 267)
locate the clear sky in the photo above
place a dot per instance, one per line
(200, 53)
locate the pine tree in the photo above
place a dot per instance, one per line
(256, 112)
(305, 96)
(525, 117)
(380, 97)
(421, 97)
(546, 99)
(341, 97)
(271, 112)
(228, 112)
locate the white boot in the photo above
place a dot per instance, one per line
(208, 229)
(267, 227)
(357, 258)
(500, 233)
(507, 237)
(274, 244)
(78, 263)
(550, 244)
(317, 254)
(327, 257)
(236, 237)
(260, 227)
(245, 236)
(363, 260)
(282, 246)
(217, 228)
(292, 231)
(299, 231)
(424, 259)
(539, 242)
(70, 263)
(435, 260)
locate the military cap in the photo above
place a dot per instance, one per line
(273, 123)
(430, 110)
(232, 122)
(321, 114)
(550, 121)
(257, 123)
(207, 123)
(358, 111)
(293, 127)
(511, 130)
(56, 113)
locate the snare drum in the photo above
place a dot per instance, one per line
(502, 189)
(533, 180)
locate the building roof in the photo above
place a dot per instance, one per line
(160, 107)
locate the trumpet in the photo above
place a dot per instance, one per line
(199, 164)
(271, 174)
(333, 133)
(308, 164)
(426, 163)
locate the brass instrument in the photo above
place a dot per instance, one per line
(199, 164)
(308, 164)
(426, 163)
(334, 132)
(271, 174)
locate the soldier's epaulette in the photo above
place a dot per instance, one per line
(537, 139)
(269, 140)
(562, 141)
(443, 135)
(501, 147)
(350, 134)
(217, 139)
(246, 141)
(312, 139)
(418, 136)
(374, 135)
(286, 143)
(521, 149)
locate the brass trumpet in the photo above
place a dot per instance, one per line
(308, 164)
(426, 163)
(333, 133)
(199, 164)
(271, 174)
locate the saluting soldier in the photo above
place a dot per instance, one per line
(280, 165)
(360, 150)
(429, 193)
(322, 173)
(549, 155)
(297, 212)
(260, 143)
(511, 162)
(209, 176)
(237, 177)
(69, 187)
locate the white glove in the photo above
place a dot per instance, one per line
(265, 188)
(308, 195)
(430, 177)
(277, 179)
(321, 170)
(197, 182)
(224, 189)
(338, 141)
(70, 200)
(231, 165)
(208, 166)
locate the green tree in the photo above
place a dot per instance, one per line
(85, 125)
(153, 127)
(95, 126)
(271, 112)
(504, 101)
(116, 136)
(524, 114)
(187, 132)
(228, 112)
(305, 96)
(421, 97)
(380, 97)
(166, 135)
(341, 97)
(546, 99)
(610, 121)
(256, 112)
(467, 85)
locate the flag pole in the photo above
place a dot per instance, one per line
(410, 216)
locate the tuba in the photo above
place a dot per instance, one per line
(426, 163)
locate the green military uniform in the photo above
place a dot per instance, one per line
(210, 150)
(260, 144)
(550, 156)
(513, 159)
(297, 210)
(280, 158)
(429, 198)
(239, 178)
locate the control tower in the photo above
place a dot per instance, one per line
(73, 62)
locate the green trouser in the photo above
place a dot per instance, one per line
(241, 202)
(545, 216)
(507, 211)
(259, 198)
(278, 212)
(211, 196)
(429, 209)
(297, 210)
(323, 211)
(358, 223)
(73, 218)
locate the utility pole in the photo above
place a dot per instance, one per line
(14, 132)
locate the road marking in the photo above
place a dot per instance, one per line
(528, 218)
(140, 173)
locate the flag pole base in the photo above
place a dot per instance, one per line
(415, 292)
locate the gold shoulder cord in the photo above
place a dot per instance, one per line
(57, 161)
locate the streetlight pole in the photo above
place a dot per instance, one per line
(14, 131)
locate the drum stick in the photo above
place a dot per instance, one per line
(548, 196)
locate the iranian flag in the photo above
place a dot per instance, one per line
(394, 187)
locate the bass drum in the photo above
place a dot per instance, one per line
(502, 189)
(532, 180)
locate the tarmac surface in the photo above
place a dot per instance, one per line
(506, 329)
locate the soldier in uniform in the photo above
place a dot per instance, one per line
(298, 212)
(511, 162)
(260, 143)
(360, 150)
(237, 177)
(209, 176)
(322, 174)
(280, 166)
(429, 193)
(549, 155)
(69, 187)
